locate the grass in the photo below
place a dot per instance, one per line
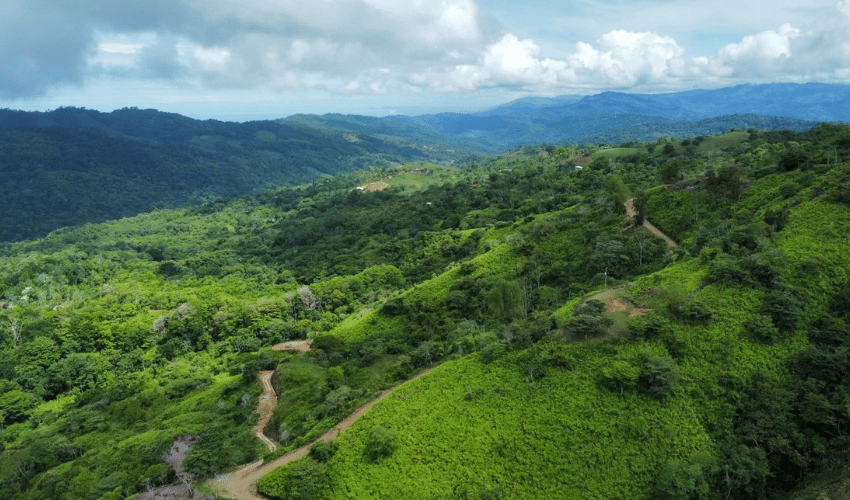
(484, 429)
(613, 153)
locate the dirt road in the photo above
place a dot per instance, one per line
(242, 483)
(630, 213)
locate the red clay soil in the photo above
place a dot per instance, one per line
(241, 484)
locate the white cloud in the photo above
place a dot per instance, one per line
(620, 58)
(388, 47)
(764, 46)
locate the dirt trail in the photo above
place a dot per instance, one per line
(242, 483)
(268, 402)
(630, 213)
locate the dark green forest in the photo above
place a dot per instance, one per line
(72, 166)
(574, 353)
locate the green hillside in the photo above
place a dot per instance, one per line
(575, 354)
(73, 166)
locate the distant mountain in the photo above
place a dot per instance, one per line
(72, 165)
(612, 117)
(812, 102)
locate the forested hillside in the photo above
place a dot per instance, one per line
(72, 166)
(574, 354)
(614, 117)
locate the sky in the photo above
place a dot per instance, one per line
(262, 59)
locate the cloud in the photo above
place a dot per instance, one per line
(378, 47)
(47, 43)
(619, 59)
(39, 48)
(765, 54)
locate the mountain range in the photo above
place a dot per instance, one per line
(73, 165)
(614, 117)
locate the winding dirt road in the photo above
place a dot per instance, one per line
(631, 212)
(241, 484)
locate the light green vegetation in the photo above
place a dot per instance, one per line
(479, 429)
(118, 339)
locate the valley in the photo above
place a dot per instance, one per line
(668, 321)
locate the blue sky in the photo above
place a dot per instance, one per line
(256, 59)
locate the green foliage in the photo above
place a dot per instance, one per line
(784, 308)
(382, 442)
(117, 339)
(762, 329)
(322, 451)
(680, 480)
(304, 479)
(658, 377)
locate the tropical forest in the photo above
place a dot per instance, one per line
(665, 317)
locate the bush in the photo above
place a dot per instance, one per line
(696, 312)
(586, 326)
(304, 479)
(492, 352)
(784, 308)
(762, 329)
(659, 376)
(679, 480)
(648, 327)
(322, 451)
(792, 160)
(726, 269)
(620, 375)
(382, 442)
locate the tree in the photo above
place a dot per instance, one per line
(784, 308)
(680, 480)
(15, 406)
(322, 451)
(83, 371)
(659, 376)
(620, 375)
(792, 160)
(14, 327)
(381, 443)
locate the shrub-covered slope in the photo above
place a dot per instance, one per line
(576, 353)
(731, 385)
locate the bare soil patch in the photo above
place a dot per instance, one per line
(294, 345)
(375, 186)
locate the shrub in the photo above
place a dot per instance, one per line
(659, 376)
(792, 160)
(762, 329)
(381, 443)
(586, 326)
(648, 327)
(697, 312)
(322, 451)
(726, 269)
(679, 480)
(620, 375)
(492, 352)
(304, 479)
(784, 308)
